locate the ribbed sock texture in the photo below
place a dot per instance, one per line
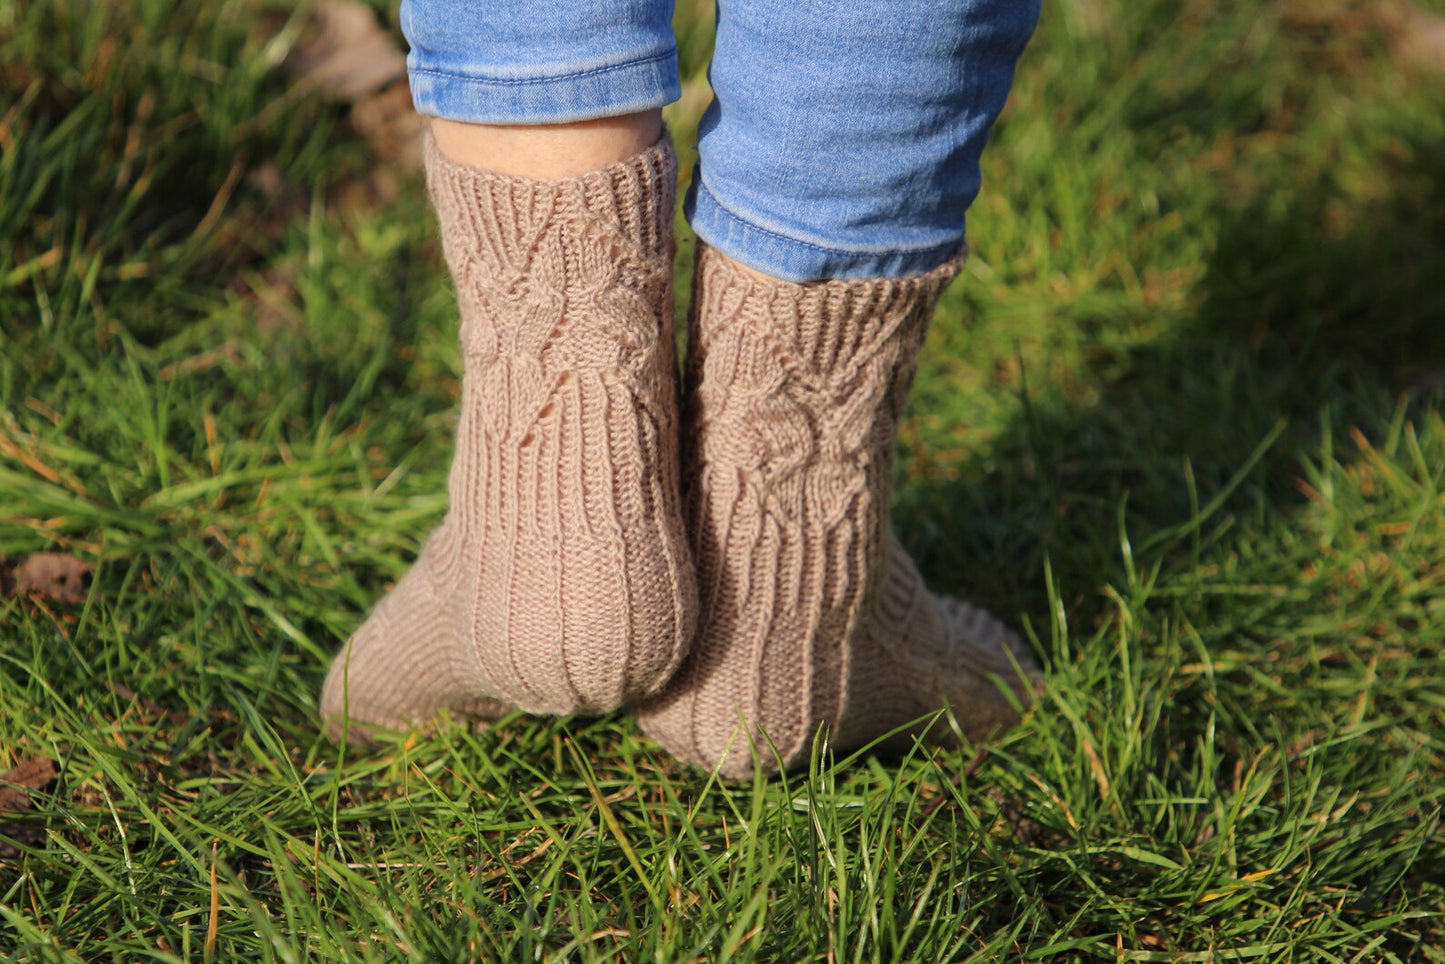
(810, 611)
(560, 580)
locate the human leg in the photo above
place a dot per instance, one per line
(810, 612)
(547, 152)
(844, 139)
(559, 580)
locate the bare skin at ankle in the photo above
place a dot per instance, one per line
(548, 151)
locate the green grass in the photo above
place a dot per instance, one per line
(1180, 421)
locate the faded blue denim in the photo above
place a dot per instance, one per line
(843, 140)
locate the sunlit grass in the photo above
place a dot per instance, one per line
(1180, 422)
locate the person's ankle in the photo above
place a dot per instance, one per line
(548, 151)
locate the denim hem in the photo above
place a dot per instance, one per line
(611, 91)
(790, 259)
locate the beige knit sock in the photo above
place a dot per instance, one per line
(810, 611)
(560, 580)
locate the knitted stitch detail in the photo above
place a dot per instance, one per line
(560, 580)
(809, 612)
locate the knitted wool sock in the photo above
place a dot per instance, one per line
(809, 610)
(560, 580)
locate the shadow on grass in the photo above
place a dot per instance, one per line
(1360, 289)
(1318, 313)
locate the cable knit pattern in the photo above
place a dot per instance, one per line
(810, 612)
(560, 580)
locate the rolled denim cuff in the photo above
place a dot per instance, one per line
(797, 259)
(645, 83)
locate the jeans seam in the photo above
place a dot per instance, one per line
(641, 61)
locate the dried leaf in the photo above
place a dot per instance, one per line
(30, 774)
(391, 125)
(346, 54)
(126, 693)
(49, 575)
(1422, 41)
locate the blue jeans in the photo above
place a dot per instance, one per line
(843, 139)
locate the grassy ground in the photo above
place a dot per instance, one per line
(1180, 421)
